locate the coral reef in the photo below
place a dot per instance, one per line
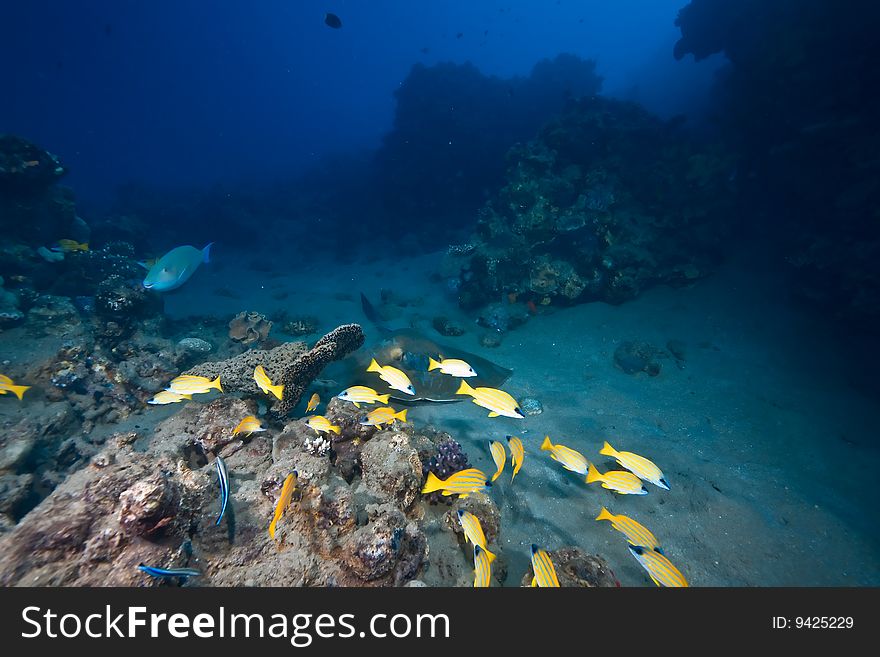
(249, 327)
(606, 201)
(153, 499)
(292, 364)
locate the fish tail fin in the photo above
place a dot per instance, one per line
(489, 555)
(604, 515)
(374, 366)
(187, 396)
(277, 390)
(18, 391)
(607, 450)
(84, 246)
(546, 445)
(593, 474)
(206, 253)
(216, 384)
(432, 483)
(432, 364)
(382, 398)
(534, 581)
(464, 389)
(335, 428)
(401, 415)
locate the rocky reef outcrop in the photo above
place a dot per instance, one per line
(796, 106)
(606, 201)
(292, 364)
(153, 498)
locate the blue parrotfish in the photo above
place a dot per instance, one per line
(175, 268)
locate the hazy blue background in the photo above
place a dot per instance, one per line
(193, 92)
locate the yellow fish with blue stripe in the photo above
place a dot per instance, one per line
(569, 458)
(283, 500)
(190, 384)
(659, 568)
(635, 533)
(322, 425)
(248, 425)
(7, 385)
(383, 415)
(69, 246)
(461, 483)
(358, 395)
(496, 401)
(451, 366)
(314, 400)
(473, 531)
(517, 454)
(620, 481)
(395, 378)
(545, 573)
(482, 568)
(499, 455)
(264, 383)
(638, 465)
(167, 397)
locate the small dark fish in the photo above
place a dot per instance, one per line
(223, 478)
(459, 35)
(332, 20)
(168, 572)
(425, 51)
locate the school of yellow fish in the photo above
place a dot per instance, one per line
(642, 544)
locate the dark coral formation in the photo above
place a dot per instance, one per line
(450, 458)
(606, 201)
(292, 364)
(154, 499)
(249, 327)
(453, 125)
(798, 106)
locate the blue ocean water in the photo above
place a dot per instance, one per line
(646, 223)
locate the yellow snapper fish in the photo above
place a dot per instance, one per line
(461, 483)
(283, 501)
(635, 533)
(264, 383)
(248, 425)
(661, 570)
(322, 425)
(451, 366)
(358, 395)
(189, 384)
(571, 459)
(175, 267)
(7, 385)
(497, 401)
(517, 454)
(638, 465)
(314, 400)
(395, 378)
(620, 481)
(69, 246)
(473, 531)
(499, 455)
(383, 415)
(482, 568)
(545, 573)
(168, 397)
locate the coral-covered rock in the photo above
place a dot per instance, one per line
(576, 568)
(25, 167)
(604, 202)
(391, 467)
(249, 327)
(149, 505)
(291, 364)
